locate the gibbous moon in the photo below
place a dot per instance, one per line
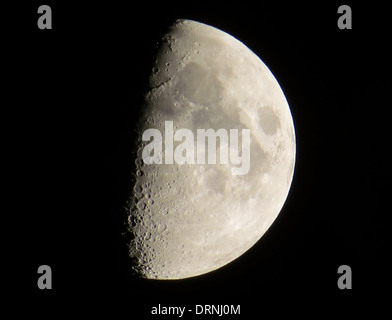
(192, 218)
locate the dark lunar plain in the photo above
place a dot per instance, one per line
(71, 99)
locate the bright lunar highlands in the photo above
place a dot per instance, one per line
(190, 219)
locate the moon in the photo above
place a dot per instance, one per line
(190, 219)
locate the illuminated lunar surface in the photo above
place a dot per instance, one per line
(190, 219)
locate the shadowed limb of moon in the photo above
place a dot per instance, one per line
(188, 220)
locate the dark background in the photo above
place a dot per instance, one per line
(70, 104)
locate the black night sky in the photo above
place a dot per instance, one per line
(70, 104)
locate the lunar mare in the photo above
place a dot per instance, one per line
(190, 219)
